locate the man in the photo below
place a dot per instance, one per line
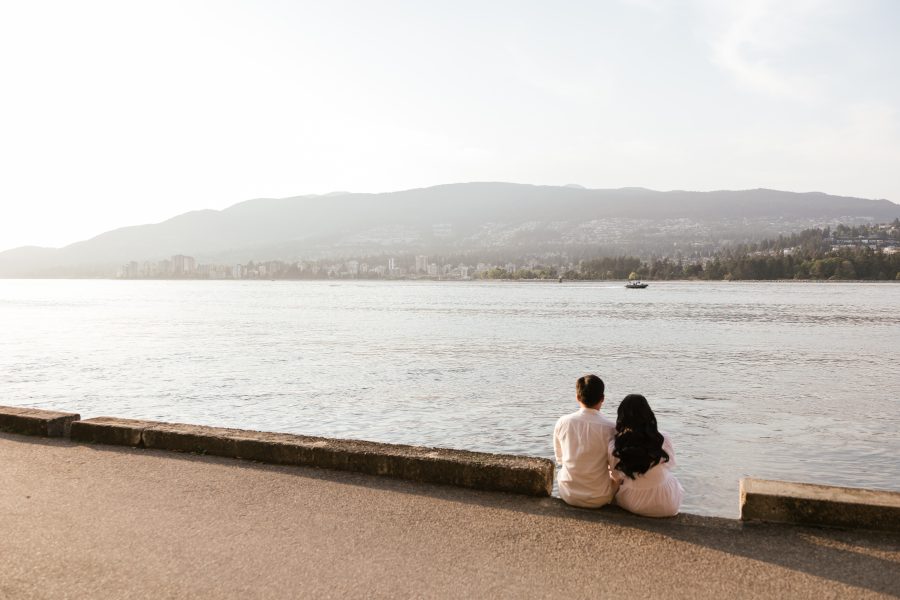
(581, 441)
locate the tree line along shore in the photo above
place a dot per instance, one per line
(865, 252)
(847, 253)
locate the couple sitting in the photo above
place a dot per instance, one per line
(628, 461)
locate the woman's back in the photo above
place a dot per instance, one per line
(655, 493)
(641, 460)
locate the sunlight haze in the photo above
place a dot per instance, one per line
(120, 113)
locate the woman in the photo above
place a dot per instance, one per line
(641, 459)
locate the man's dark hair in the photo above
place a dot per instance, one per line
(590, 390)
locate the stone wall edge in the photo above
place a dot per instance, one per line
(819, 505)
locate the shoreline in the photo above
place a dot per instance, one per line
(760, 500)
(469, 281)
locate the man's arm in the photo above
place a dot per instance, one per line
(557, 447)
(617, 476)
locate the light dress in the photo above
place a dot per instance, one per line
(656, 493)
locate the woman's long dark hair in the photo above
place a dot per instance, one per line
(638, 442)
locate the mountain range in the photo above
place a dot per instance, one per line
(453, 218)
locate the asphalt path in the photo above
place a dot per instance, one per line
(80, 521)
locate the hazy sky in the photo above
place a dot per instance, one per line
(117, 113)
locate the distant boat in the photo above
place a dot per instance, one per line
(636, 285)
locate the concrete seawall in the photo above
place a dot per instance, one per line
(810, 504)
(761, 500)
(34, 421)
(478, 470)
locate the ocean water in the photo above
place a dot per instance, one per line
(795, 381)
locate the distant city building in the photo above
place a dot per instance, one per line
(183, 265)
(421, 264)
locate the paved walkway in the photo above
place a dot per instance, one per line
(81, 521)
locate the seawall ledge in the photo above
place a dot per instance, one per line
(35, 421)
(478, 470)
(821, 505)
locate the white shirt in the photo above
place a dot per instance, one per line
(656, 493)
(581, 441)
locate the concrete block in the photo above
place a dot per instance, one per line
(810, 504)
(478, 470)
(34, 421)
(179, 437)
(516, 474)
(110, 430)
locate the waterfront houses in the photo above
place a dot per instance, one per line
(417, 267)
